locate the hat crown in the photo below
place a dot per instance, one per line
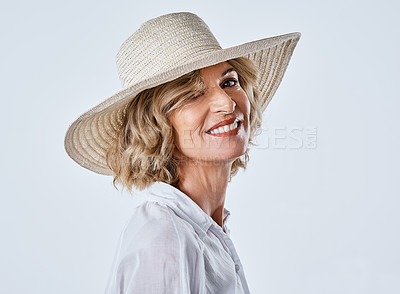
(162, 43)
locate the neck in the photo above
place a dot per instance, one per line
(206, 185)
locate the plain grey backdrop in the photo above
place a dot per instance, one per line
(316, 211)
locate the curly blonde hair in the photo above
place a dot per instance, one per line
(143, 151)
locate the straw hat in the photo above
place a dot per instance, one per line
(161, 50)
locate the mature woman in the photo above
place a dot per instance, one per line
(179, 131)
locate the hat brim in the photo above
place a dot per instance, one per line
(89, 136)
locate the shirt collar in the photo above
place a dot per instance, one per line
(184, 207)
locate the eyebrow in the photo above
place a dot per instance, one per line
(228, 71)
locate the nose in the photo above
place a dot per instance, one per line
(221, 101)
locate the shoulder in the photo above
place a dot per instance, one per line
(158, 253)
(154, 225)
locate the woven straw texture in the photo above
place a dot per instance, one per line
(161, 50)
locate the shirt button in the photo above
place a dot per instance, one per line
(237, 267)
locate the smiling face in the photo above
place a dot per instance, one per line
(214, 126)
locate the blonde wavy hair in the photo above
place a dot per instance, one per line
(143, 151)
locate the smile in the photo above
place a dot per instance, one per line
(225, 130)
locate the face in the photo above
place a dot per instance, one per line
(214, 126)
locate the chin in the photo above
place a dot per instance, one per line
(216, 154)
(224, 156)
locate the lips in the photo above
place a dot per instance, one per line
(224, 126)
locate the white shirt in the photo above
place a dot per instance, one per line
(170, 245)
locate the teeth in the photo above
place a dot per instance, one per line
(226, 128)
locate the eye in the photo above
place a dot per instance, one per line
(229, 83)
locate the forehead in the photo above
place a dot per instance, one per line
(217, 70)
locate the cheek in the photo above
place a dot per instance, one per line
(248, 107)
(190, 122)
(245, 105)
(186, 123)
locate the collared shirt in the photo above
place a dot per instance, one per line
(171, 246)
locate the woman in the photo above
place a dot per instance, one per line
(179, 130)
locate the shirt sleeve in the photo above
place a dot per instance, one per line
(160, 259)
(151, 270)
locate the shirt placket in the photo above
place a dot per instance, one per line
(230, 248)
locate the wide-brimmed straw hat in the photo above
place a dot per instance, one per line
(161, 50)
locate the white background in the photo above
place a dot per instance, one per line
(304, 220)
